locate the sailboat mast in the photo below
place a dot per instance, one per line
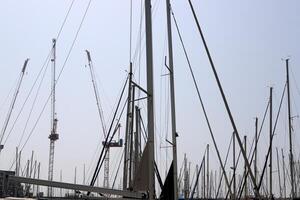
(255, 150)
(127, 137)
(150, 111)
(172, 96)
(271, 131)
(290, 129)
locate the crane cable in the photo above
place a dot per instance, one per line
(201, 102)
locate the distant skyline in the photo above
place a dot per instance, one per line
(248, 41)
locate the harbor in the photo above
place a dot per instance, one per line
(150, 100)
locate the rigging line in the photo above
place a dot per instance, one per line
(116, 101)
(273, 133)
(96, 94)
(227, 154)
(140, 50)
(144, 130)
(23, 132)
(117, 170)
(223, 97)
(256, 142)
(297, 88)
(74, 41)
(236, 164)
(201, 102)
(192, 181)
(9, 92)
(57, 80)
(96, 172)
(65, 19)
(111, 137)
(295, 106)
(130, 31)
(115, 161)
(98, 146)
(197, 175)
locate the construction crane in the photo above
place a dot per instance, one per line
(12, 104)
(113, 143)
(53, 134)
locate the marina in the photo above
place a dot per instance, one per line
(150, 99)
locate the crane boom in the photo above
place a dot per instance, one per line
(101, 115)
(95, 87)
(13, 103)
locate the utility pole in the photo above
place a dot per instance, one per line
(278, 170)
(53, 135)
(172, 96)
(271, 131)
(150, 111)
(290, 131)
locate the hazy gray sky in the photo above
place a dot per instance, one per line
(247, 40)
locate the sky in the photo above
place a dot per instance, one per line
(248, 41)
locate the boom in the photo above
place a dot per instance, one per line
(12, 103)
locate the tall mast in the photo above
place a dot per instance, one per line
(172, 95)
(186, 179)
(245, 167)
(234, 166)
(127, 136)
(271, 124)
(207, 172)
(290, 130)
(53, 135)
(150, 112)
(255, 151)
